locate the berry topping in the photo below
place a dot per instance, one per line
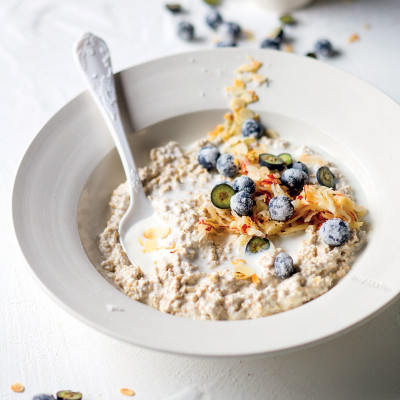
(226, 165)
(284, 266)
(221, 195)
(252, 128)
(257, 244)
(242, 203)
(335, 232)
(175, 8)
(213, 19)
(43, 397)
(244, 184)
(324, 48)
(207, 157)
(280, 208)
(185, 30)
(325, 177)
(299, 165)
(294, 179)
(270, 161)
(287, 159)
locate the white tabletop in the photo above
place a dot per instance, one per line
(45, 348)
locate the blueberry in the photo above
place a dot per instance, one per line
(43, 397)
(252, 128)
(231, 29)
(185, 30)
(226, 43)
(226, 165)
(335, 232)
(302, 167)
(207, 157)
(281, 208)
(324, 48)
(242, 203)
(244, 184)
(277, 35)
(284, 266)
(270, 44)
(294, 178)
(214, 19)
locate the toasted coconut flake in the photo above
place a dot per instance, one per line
(288, 47)
(127, 392)
(150, 245)
(215, 132)
(237, 104)
(239, 83)
(157, 232)
(353, 38)
(256, 65)
(237, 261)
(255, 279)
(243, 269)
(259, 79)
(141, 241)
(17, 387)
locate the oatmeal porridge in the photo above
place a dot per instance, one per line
(246, 225)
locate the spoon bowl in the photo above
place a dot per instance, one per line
(94, 62)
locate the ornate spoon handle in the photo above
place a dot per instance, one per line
(93, 58)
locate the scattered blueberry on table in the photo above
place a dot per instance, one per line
(270, 44)
(185, 30)
(43, 397)
(230, 29)
(244, 184)
(242, 203)
(226, 165)
(226, 43)
(252, 128)
(207, 157)
(283, 265)
(294, 179)
(214, 19)
(335, 232)
(324, 48)
(280, 208)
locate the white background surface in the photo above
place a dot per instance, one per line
(46, 349)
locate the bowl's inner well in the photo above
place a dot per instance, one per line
(93, 209)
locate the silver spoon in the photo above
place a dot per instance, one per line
(94, 62)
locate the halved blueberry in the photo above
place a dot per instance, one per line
(325, 177)
(271, 161)
(256, 245)
(221, 195)
(287, 159)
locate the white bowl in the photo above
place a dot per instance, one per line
(67, 175)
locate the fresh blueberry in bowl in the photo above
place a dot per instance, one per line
(214, 19)
(283, 266)
(324, 48)
(271, 44)
(185, 30)
(280, 208)
(207, 157)
(244, 184)
(242, 203)
(294, 179)
(302, 167)
(335, 232)
(226, 165)
(252, 128)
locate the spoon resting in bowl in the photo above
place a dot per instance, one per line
(94, 61)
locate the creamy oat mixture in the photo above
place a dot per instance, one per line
(197, 264)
